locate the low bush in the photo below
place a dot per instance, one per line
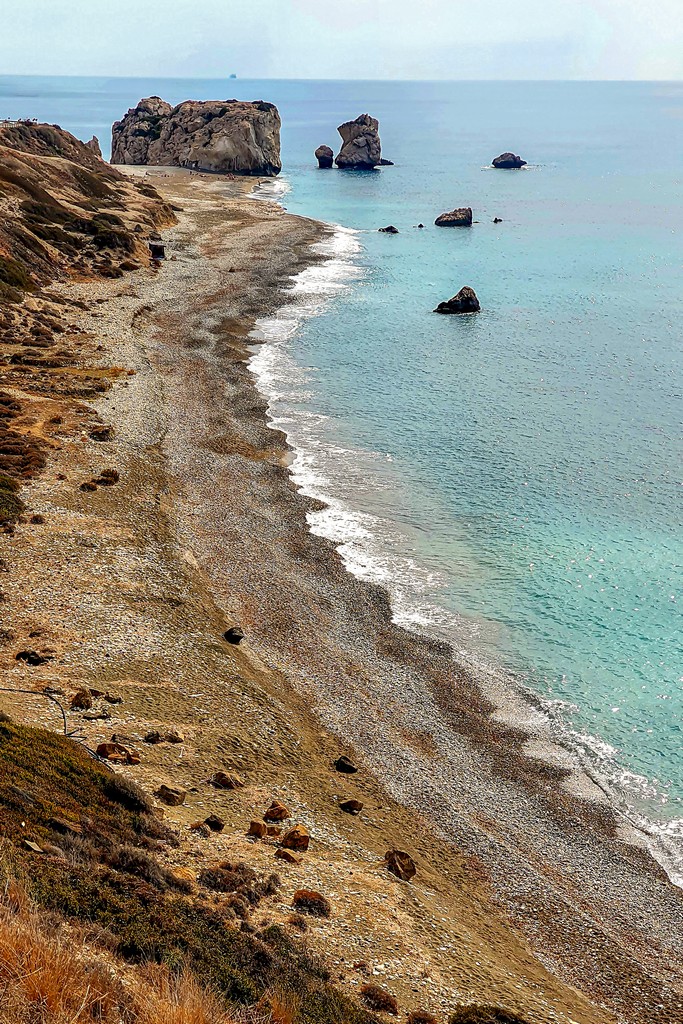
(478, 1014)
(311, 903)
(379, 999)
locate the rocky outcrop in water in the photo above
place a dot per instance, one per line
(361, 146)
(325, 156)
(225, 136)
(508, 161)
(465, 301)
(461, 218)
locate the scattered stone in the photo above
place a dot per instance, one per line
(153, 736)
(460, 218)
(226, 780)
(173, 736)
(351, 806)
(171, 795)
(465, 301)
(287, 856)
(215, 823)
(117, 753)
(311, 902)
(107, 478)
(112, 698)
(325, 156)
(234, 635)
(81, 700)
(101, 433)
(508, 161)
(273, 830)
(88, 485)
(361, 147)
(31, 657)
(345, 765)
(400, 864)
(258, 829)
(100, 714)
(201, 828)
(379, 999)
(276, 812)
(296, 838)
(388, 230)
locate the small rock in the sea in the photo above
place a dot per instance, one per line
(460, 218)
(226, 780)
(400, 864)
(465, 301)
(345, 765)
(351, 806)
(325, 156)
(234, 635)
(389, 230)
(296, 838)
(276, 812)
(171, 795)
(508, 161)
(420, 225)
(497, 220)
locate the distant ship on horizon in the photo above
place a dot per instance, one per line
(233, 76)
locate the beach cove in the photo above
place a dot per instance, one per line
(527, 894)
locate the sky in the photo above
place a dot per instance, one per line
(361, 39)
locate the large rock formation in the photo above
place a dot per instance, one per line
(226, 136)
(361, 147)
(324, 156)
(461, 218)
(465, 301)
(508, 161)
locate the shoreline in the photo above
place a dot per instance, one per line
(516, 704)
(208, 529)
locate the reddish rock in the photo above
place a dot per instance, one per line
(226, 780)
(311, 902)
(258, 829)
(287, 856)
(296, 838)
(215, 823)
(81, 700)
(171, 795)
(400, 864)
(276, 812)
(351, 806)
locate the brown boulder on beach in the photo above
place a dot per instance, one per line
(297, 838)
(400, 864)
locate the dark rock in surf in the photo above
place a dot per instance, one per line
(465, 301)
(508, 162)
(325, 156)
(460, 218)
(389, 230)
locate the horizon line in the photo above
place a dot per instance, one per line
(237, 78)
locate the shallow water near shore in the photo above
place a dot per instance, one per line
(513, 478)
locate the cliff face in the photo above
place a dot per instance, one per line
(226, 136)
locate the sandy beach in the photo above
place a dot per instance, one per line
(529, 892)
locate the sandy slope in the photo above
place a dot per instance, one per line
(524, 895)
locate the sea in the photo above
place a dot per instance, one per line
(512, 477)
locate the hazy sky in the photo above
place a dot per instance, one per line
(345, 38)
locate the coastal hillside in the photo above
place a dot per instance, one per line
(231, 788)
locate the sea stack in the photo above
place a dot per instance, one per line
(361, 147)
(465, 301)
(325, 156)
(508, 161)
(224, 136)
(461, 218)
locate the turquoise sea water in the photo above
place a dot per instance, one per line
(514, 477)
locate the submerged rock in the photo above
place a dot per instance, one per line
(389, 230)
(508, 161)
(465, 301)
(460, 218)
(226, 136)
(361, 146)
(325, 156)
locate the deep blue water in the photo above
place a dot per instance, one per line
(514, 477)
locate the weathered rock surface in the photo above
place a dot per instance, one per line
(400, 864)
(297, 838)
(345, 765)
(460, 218)
(226, 136)
(351, 806)
(361, 147)
(390, 229)
(172, 795)
(226, 780)
(508, 161)
(465, 301)
(325, 156)
(94, 145)
(276, 812)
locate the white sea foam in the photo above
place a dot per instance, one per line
(373, 547)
